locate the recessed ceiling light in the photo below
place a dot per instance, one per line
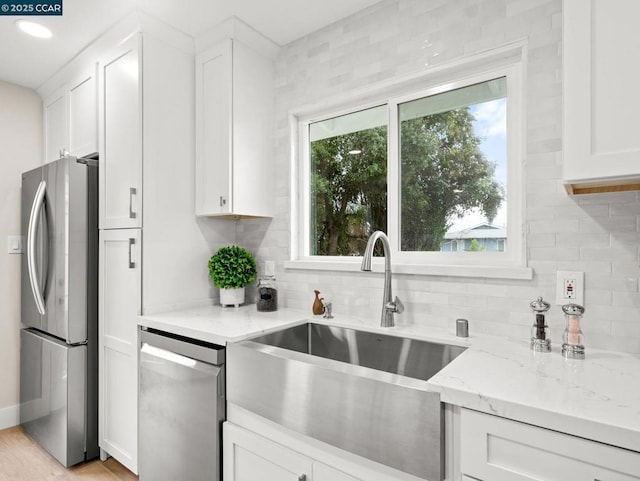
(34, 29)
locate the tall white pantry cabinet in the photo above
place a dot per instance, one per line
(120, 280)
(146, 85)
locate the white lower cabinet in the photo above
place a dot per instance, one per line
(499, 449)
(322, 472)
(118, 308)
(257, 449)
(249, 456)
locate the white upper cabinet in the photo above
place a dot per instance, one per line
(234, 131)
(214, 130)
(601, 95)
(121, 137)
(70, 113)
(55, 125)
(83, 113)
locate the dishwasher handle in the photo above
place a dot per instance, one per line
(183, 347)
(169, 356)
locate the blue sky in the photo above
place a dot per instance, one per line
(491, 126)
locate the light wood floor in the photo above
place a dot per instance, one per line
(21, 459)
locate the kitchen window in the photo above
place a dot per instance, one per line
(438, 170)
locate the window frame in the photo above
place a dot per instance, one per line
(506, 63)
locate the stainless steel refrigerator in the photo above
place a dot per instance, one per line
(59, 345)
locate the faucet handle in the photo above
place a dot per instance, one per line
(395, 306)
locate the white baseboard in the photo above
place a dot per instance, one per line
(9, 416)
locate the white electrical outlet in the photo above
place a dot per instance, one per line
(570, 288)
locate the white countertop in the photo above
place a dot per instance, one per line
(220, 325)
(597, 398)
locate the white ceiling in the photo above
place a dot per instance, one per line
(29, 61)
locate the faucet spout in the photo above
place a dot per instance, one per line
(389, 304)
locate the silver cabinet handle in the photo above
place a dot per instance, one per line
(132, 192)
(34, 217)
(132, 242)
(223, 201)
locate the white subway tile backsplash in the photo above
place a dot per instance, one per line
(596, 234)
(574, 239)
(617, 225)
(610, 254)
(582, 211)
(568, 226)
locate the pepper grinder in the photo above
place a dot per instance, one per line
(572, 338)
(540, 341)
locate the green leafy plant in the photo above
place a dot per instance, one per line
(232, 267)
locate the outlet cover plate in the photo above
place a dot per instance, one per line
(574, 279)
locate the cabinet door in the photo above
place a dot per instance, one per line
(601, 96)
(498, 449)
(119, 306)
(121, 137)
(322, 472)
(83, 113)
(55, 125)
(213, 130)
(248, 457)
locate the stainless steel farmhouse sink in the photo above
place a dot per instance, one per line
(360, 391)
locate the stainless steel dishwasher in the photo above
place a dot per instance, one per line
(181, 408)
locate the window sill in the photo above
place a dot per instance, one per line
(478, 271)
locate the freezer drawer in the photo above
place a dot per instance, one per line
(181, 409)
(52, 394)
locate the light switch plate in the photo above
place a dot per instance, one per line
(14, 244)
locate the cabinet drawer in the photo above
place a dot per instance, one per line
(498, 449)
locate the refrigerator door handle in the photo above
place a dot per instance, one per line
(34, 217)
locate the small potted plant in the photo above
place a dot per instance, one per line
(231, 269)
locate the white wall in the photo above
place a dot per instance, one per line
(176, 245)
(21, 150)
(596, 234)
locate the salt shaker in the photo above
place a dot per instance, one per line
(572, 338)
(540, 341)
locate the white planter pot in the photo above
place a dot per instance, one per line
(232, 297)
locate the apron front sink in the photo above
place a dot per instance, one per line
(361, 391)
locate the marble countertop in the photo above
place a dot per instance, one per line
(597, 398)
(221, 325)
